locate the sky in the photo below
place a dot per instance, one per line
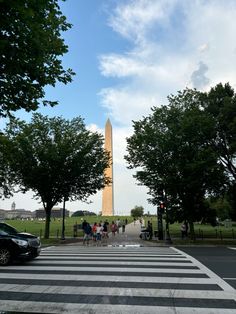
(129, 55)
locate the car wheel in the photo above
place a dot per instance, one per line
(5, 256)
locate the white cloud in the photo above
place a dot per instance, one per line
(203, 47)
(94, 128)
(175, 44)
(154, 67)
(167, 41)
(133, 19)
(198, 77)
(125, 105)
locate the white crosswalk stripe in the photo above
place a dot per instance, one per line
(75, 279)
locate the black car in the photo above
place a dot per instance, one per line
(17, 245)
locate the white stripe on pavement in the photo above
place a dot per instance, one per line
(106, 269)
(53, 307)
(65, 257)
(109, 278)
(219, 281)
(101, 291)
(113, 262)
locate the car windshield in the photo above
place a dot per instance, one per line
(7, 229)
(3, 233)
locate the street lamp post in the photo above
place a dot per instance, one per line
(167, 233)
(168, 238)
(63, 219)
(159, 223)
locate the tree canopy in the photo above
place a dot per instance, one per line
(220, 103)
(57, 159)
(137, 211)
(172, 150)
(31, 47)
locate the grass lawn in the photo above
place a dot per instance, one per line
(204, 233)
(37, 226)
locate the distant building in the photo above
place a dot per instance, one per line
(2, 214)
(57, 212)
(16, 214)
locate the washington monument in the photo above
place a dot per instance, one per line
(107, 195)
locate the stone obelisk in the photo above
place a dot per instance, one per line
(107, 195)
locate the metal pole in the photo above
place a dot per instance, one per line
(63, 220)
(168, 238)
(160, 224)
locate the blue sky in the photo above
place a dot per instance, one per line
(129, 55)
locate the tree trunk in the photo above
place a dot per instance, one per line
(192, 232)
(47, 222)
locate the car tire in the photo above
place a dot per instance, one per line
(5, 256)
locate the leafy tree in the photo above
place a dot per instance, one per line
(222, 207)
(172, 149)
(137, 211)
(80, 213)
(220, 103)
(5, 175)
(57, 159)
(31, 47)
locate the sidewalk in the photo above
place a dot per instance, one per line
(129, 237)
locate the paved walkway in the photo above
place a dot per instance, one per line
(129, 237)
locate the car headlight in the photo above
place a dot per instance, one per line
(20, 242)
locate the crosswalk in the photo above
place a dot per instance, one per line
(75, 279)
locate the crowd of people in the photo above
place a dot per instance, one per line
(98, 231)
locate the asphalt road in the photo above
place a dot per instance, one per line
(221, 260)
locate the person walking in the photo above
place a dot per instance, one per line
(99, 234)
(150, 230)
(113, 228)
(183, 230)
(123, 226)
(94, 232)
(87, 233)
(105, 229)
(118, 225)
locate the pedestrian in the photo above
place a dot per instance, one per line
(87, 233)
(105, 229)
(94, 232)
(186, 232)
(123, 226)
(183, 230)
(150, 230)
(118, 225)
(126, 221)
(84, 223)
(99, 234)
(113, 228)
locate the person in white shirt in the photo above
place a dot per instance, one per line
(99, 234)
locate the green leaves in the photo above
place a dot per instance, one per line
(172, 149)
(31, 47)
(56, 159)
